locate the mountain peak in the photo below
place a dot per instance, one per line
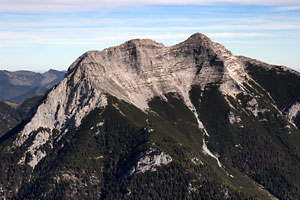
(136, 72)
(198, 36)
(135, 108)
(140, 69)
(143, 42)
(197, 39)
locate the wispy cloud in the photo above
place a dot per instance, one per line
(287, 8)
(21, 38)
(67, 28)
(26, 30)
(87, 24)
(78, 5)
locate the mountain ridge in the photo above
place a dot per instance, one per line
(136, 95)
(17, 86)
(187, 121)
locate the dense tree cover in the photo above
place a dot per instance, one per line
(92, 161)
(13, 114)
(281, 84)
(261, 147)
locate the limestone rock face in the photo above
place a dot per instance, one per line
(148, 161)
(135, 72)
(138, 70)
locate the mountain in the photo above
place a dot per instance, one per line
(21, 91)
(145, 121)
(21, 85)
(12, 114)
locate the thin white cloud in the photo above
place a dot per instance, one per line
(80, 5)
(287, 8)
(142, 25)
(259, 27)
(23, 39)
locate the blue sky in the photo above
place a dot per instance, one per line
(38, 35)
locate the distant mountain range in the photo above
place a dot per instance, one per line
(20, 92)
(20, 85)
(146, 121)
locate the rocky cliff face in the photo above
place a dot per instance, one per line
(135, 72)
(12, 114)
(138, 70)
(202, 109)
